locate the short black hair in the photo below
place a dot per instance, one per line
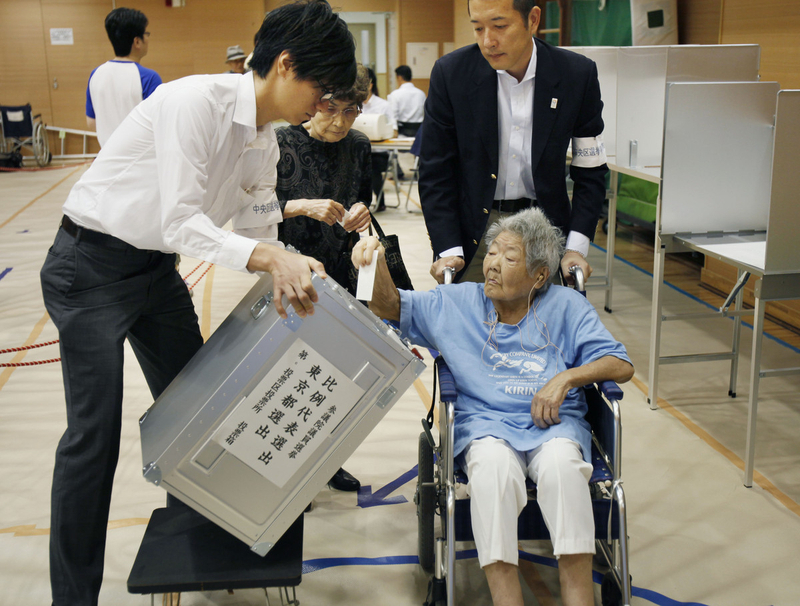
(374, 80)
(523, 7)
(404, 72)
(123, 25)
(317, 40)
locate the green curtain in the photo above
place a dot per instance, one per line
(593, 27)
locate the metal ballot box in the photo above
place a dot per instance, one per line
(268, 409)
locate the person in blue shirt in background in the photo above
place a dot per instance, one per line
(119, 85)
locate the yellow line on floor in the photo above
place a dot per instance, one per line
(39, 197)
(205, 321)
(30, 530)
(37, 330)
(701, 433)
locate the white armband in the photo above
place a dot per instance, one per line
(588, 152)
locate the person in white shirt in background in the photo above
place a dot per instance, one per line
(119, 85)
(235, 58)
(197, 153)
(408, 103)
(380, 160)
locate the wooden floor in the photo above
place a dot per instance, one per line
(635, 245)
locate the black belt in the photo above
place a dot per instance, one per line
(82, 234)
(513, 206)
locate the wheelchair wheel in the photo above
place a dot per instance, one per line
(426, 505)
(41, 145)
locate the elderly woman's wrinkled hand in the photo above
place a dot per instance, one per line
(327, 211)
(359, 218)
(363, 250)
(547, 401)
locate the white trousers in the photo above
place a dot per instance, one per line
(497, 491)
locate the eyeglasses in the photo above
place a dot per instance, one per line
(349, 113)
(327, 94)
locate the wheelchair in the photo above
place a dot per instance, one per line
(436, 494)
(19, 128)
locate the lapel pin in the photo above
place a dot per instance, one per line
(553, 103)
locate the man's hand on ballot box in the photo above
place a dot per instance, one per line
(291, 276)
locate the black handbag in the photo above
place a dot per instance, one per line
(393, 258)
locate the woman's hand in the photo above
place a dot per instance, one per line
(327, 211)
(359, 218)
(547, 401)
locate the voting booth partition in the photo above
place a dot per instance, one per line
(633, 82)
(729, 188)
(643, 73)
(263, 416)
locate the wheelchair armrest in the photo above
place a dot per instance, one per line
(447, 384)
(610, 390)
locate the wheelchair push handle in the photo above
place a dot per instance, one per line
(580, 281)
(448, 275)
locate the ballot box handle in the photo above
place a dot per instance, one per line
(260, 306)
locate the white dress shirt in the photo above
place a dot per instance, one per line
(515, 134)
(182, 164)
(376, 105)
(408, 103)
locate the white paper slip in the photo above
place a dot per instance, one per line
(344, 219)
(366, 279)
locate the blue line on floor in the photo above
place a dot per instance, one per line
(691, 296)
(366, 498)
(5, 271)
(310, 566)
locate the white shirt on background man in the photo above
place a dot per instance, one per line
(408, 103)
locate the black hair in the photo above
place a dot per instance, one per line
(123, 25)
(317, 40)
(374, 80)
(523, 7)
(404, 72)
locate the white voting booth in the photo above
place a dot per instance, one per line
(643, 74)
(729, 186)
(633, 81)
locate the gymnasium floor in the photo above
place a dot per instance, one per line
(697, 536)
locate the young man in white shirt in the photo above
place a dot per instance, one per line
(408, 103)
(198, 152)
(119, 85)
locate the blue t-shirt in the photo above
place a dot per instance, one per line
(499, 367)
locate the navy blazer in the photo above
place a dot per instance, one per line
(459, 155)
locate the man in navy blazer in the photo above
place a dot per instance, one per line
(499, 119)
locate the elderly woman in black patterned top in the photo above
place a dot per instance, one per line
(324, 187)
(324, 182)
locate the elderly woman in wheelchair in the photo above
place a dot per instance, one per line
(519, 350)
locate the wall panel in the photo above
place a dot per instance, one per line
(775, 25)
(699, 21)
(23, 64)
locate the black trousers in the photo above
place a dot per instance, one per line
(98, 294)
